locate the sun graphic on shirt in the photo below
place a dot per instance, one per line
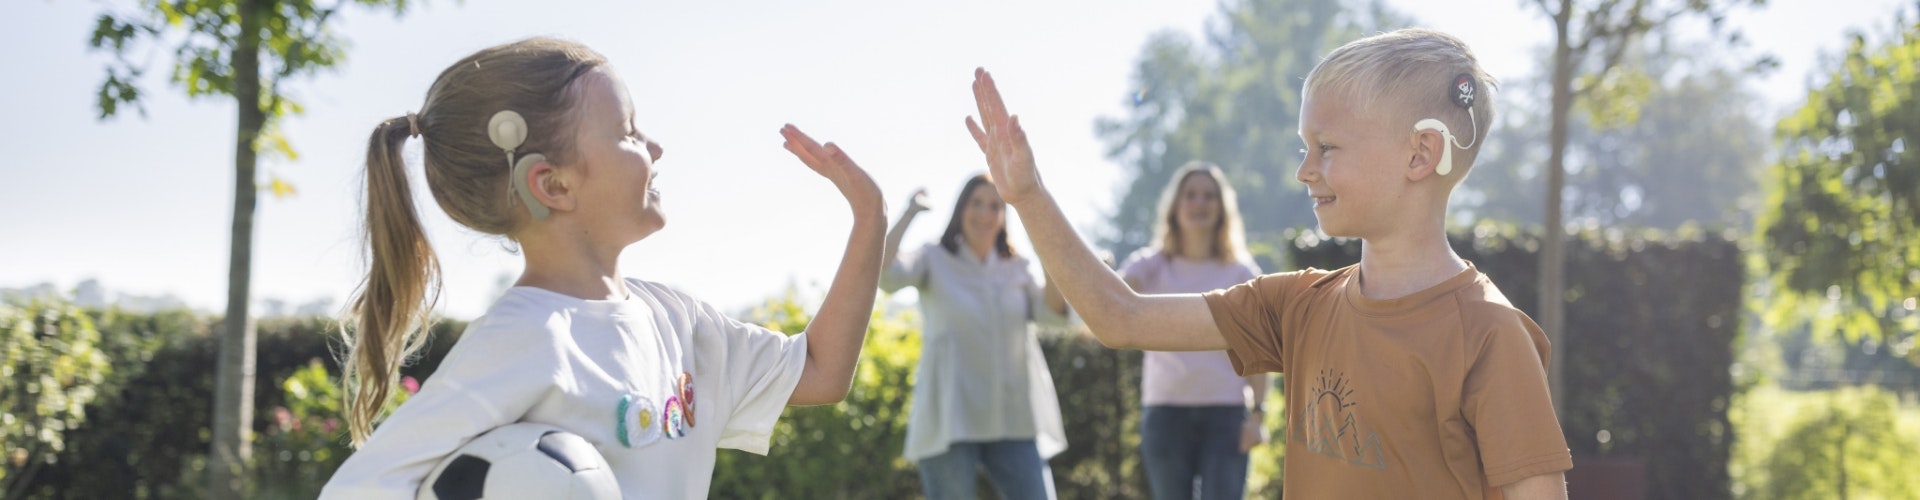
(1332, 397)
(1331, 425)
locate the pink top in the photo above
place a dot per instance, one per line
(1201, 378)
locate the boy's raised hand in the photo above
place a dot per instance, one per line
(1009, 158)
(830, 162)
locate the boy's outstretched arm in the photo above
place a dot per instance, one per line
(1116, 315)
(1550, 486)
(840, 327)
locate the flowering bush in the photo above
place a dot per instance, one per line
(307, 440)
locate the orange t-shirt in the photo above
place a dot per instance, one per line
(1439, 394)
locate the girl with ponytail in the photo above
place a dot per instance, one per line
(535, 141)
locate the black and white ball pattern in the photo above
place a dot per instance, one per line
(522, 460)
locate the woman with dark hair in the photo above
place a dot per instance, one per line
(983, 396)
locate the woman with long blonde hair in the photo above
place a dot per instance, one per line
(1199, 418)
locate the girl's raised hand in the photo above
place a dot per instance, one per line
(830, 162)
(1009, 158)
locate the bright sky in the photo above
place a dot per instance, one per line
(144, 205)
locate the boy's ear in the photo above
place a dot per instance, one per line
(1429, 150)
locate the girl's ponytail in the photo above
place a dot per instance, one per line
(394, 304)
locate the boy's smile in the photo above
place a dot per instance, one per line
(1344, 158)
(1320, 201)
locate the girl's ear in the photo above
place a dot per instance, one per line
(547, 187)
(522, 177)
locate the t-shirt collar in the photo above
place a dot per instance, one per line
(630, 306)
(1365, 305)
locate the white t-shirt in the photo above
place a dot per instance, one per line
(540, 356)
(982, 376)
(1196, 378)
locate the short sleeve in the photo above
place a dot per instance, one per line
(909, 268)
(492, 377)
(1249, 315)
(1507, 402)
(762, 368)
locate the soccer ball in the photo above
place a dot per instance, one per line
(522, 460)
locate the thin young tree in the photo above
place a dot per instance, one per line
(244, 50)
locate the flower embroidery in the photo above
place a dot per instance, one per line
(633, 421)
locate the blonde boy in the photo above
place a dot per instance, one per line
(1410, 375)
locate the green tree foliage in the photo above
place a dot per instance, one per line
(1692, 154)
(1855, 442)
(303, 446)
(1233, 101)
(290, 39)
(1590, 39)
(51, 367)
(246, 50)
(1841, 229)
(849, 449)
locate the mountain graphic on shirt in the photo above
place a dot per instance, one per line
(1331, 424)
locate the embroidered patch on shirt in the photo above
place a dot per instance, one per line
(672, 419)
(633, 421)
(676, 415)
(686, 396)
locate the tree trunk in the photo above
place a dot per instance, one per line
(233, 396)
(1553, 255)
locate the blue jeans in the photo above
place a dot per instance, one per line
(1014, 468)
(1182, 444)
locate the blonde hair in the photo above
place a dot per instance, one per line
(467, 175)
(1411, 72)
(1229, 237)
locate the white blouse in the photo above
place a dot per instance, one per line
(982, 376)
(616, 372)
